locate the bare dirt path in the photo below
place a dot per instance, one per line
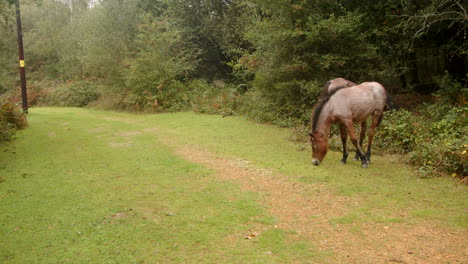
(306, 209)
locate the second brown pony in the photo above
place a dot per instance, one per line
(336, 83)
(346, 106)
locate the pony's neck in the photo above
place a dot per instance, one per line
(324, 122)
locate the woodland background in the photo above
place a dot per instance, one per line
(266, 59)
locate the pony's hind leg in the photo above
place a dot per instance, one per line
(362, 134)
(352, 136)
(344, 138)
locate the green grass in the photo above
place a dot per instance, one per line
(86, 186)
(82, 189)
(384, 189)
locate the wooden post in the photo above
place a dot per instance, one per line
(24, 95)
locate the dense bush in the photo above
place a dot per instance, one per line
(155, 76)
(217, 98)
(11, 119)
(275, 108)
(435, 138)
(399, 131)
(169, 96)
(77, 94)
(38, 91)
(451, 91)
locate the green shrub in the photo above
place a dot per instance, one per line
(3, 89)
(108, 101)
(173, 96)
(435, 136)
(12, 114)
(76, 94)
(170, 96)
(154, 78)
(7, 131)
(435, 139)
(11, 119)
(217, 98)
(258, 108)
(283, 103)
(441, 155)
(39, 90)
(399, 131)
(451, 91)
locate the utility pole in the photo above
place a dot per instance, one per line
(24, 95)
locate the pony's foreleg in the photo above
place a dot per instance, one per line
(362, 135)
(352, 135)
(375, 122)
(344, 138)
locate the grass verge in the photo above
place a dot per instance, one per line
(82, 186)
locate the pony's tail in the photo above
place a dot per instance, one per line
(390, 104)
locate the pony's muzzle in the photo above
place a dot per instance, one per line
(316, 162)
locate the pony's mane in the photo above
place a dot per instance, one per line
(325, 89)
(318, 109)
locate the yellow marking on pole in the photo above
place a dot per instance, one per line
(21, 62)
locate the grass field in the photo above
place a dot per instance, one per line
(86, 186)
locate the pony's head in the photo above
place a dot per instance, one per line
(319, 143)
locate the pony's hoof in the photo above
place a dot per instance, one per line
(343, 162)
(364, 166)
(357, 157)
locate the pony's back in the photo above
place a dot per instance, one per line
(360, 101)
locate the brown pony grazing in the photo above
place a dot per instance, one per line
(347, 106)
(337, 83)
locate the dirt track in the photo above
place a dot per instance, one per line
(307, 210)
